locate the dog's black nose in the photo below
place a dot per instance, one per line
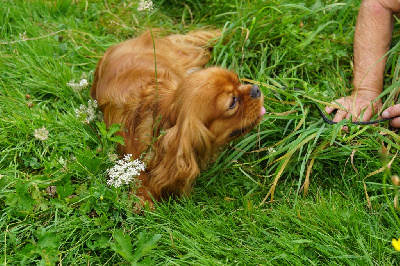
(255, 92)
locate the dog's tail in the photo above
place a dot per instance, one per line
(199, 38)
(194, 48)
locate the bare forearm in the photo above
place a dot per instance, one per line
(371, 43)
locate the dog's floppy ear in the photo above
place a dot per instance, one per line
(96, 79)
(184, 146)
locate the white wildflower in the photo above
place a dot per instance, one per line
(41, 134)
(145, 5)
(89, 113)
(77, 87)
(23, 36)
(124, 171)
(271, 150)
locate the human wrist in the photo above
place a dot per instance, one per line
(371, 93)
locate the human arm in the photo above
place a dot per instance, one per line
(372, 39)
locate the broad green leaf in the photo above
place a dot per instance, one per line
(122, 245)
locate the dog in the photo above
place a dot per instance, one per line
(175, 113)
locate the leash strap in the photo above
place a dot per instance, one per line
(329, 121)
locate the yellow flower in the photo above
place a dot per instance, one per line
(396, 244)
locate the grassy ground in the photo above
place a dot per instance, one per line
(333, 199)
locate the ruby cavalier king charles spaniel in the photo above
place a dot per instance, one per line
(175, 113)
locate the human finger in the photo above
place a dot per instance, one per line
(339, 116)
(330, 109)
(392, 111)
(395, 122)
(345, 128)
(353, 116)
(367, 114)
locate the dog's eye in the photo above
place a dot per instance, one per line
(233, 103)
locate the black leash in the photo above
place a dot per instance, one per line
(329, 121)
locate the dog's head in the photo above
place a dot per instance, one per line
(215, 101)
(210, 108)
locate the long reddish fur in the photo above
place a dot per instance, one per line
(166, 111)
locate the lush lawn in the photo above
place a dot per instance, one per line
(56, 207)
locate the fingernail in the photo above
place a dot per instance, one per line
(385, 114)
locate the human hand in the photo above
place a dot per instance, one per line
(356, 104)
(393, 111)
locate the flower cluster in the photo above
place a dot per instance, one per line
(145, 5)
(77, 87)
(41, 133)
(89, 113)
(124, 171)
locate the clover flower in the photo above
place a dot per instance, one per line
(89, 113)
(124, 171)
(112, 156)
(396, 244)
(77, 87)
(41, 133)
(145, 5)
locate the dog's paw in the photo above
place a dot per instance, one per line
(142, 205)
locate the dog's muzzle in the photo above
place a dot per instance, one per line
(255, 92)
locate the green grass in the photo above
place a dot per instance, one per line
(229, 219)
